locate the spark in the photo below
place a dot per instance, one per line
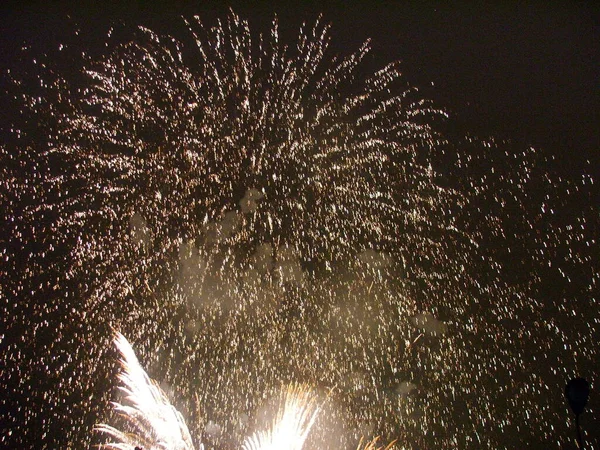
(291, 426)
(373, 445)
(251, 214)
(155, 423)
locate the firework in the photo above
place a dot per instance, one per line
(254, 215)
(373, 445)
(290, 428)
(155, 423)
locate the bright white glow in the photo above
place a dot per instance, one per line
(293, 422)
(155, 423)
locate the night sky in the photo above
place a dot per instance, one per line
(523, 72)
(526, 75)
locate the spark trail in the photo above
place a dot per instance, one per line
(254, 214)
(157, 424)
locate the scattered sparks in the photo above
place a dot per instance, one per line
(253, 214)
(373, 445)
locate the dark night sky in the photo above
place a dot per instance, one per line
(529, 73)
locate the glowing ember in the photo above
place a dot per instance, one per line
(253, 215)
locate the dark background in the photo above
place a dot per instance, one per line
(529, 73)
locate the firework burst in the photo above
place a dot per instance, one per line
(156, 424)
(253, 215)
(146, 408)
(290, 428)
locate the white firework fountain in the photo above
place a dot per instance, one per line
(156, 425)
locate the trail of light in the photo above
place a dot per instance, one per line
(374, 445)
(295, 418)
(154, 422)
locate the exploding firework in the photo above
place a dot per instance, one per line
(255, 215)
(156, 424)
(290, 428)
